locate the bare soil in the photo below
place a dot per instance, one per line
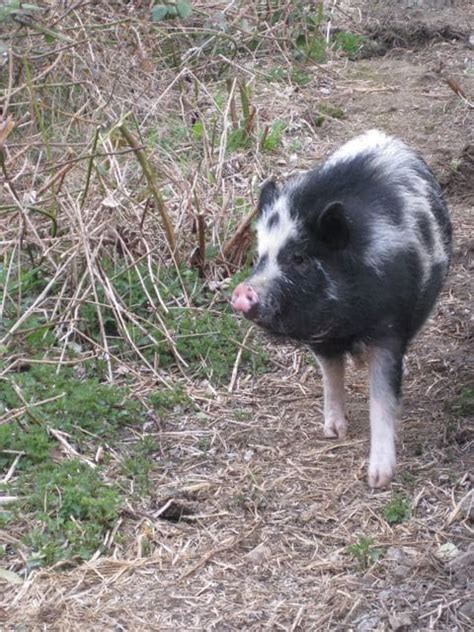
(252, 532)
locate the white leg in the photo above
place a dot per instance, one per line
(385, 371)
(335, 422)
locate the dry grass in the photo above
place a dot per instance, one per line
(251, 512)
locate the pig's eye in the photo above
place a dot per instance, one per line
(299, 260)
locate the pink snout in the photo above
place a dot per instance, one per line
(244, 298)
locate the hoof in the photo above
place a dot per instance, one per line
(381, 475)
(335, 428)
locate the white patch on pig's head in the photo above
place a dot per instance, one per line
(275, 227)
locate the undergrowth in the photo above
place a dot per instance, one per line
(66, 506)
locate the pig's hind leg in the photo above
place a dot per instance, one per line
(385, 375)
(335, 422)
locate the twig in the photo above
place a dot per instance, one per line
(12, 468)
(5, 500)
(89, 166)
(235, 369)
(149, 175)
(60, 436)
(222, 549)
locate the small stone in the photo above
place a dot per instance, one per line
(397, 554)
(248, 454)
(462, 566)
(467, 609)
(401, 560)
(313, 511)
(400, 622)
(368, 623)
(261, 553)
(467, 507)
(401, 571)
(470, 41)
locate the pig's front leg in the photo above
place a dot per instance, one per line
(335, 422)
(385, 374)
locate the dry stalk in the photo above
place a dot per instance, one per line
(150, 176)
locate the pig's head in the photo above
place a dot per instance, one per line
(296, 282)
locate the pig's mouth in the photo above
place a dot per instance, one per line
(264, 315)
(272, 320)
(258, 315)
(253, 314)
(275, 316)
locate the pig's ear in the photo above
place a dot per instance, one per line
(268, 194)
(332, 226)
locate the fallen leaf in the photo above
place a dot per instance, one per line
(448, 550)
(10, 576)
(6, 127)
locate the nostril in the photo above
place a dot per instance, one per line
(244, 298)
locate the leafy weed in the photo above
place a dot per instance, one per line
(397, 510)
(73, 509)
(350, 43)
(364, 552)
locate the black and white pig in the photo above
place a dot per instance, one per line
(352, 256)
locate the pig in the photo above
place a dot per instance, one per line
(352, 256)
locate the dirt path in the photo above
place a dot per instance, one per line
(274, 505)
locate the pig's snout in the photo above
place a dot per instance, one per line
(244, 299)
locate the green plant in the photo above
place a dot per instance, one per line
(238, 139)
(364, 552)
(186, 330)
(165, 399)
(397, 509)
(272, 139)
(418, 449)
(312, 48)
(350, 43)
(72, 507)
(169, 138)
(139, 463)
(464, 403)
(10, 8)
(171, 10)
(68, 505)
(455, 164)
(73, 404)
(32, 440)
(276, 74)
(198, 130)
(300, 77)
(327, 110)
(243, 415)
(200, 338)
(241, 134)
(305, 29)
(295, 145)
(204, 444)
